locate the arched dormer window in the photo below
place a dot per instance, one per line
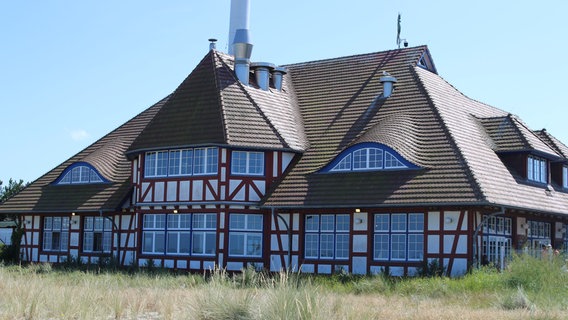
(80, 173)
(368, 156)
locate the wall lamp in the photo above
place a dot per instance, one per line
(449, 220)
(358, 221)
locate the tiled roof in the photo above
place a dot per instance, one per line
(553, 143)
(499, 185)
(211, 107)
(510, 134)
(338, 100)
(107, 155)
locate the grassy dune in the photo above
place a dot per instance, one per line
(528, 289)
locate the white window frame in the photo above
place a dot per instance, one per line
(182, 234)
(180, 162)
(369, 158)
(156, 164)
(80, 174)
(398, 237)
(245, 235)
(53, 226)
(249, 168)
(95, 228)
(208, 163)
(537, 169)
(327, 236)
(565, 177)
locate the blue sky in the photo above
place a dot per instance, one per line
(72, 71)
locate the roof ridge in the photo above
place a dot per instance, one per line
(355, 56)
(471, 176)
(220, 100)
(524, 125)
(258, 109)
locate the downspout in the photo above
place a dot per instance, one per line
(289, 266)
(115, 227)
(475, 233)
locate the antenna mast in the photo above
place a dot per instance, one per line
(398, 39)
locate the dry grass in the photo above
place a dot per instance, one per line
(28, 293)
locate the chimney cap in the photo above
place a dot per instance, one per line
(267, 65)
(282, 70)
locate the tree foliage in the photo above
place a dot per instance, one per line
(8, 191)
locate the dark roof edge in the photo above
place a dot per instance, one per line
(422, 204)
(132, 153)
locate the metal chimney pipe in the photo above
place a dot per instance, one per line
(262, 73)
(243, 50)
(388, 82)
(212, 44)
(240, 10)
(277, 76)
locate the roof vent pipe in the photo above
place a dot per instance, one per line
(242, 49)
(388, 82)
(262, 73)
(277, 76)
(240, 10)
(212, 44)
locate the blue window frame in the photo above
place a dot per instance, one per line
(327, 236)
(368, 156)
(399, 237)
(80, 173)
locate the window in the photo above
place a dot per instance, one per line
(80, 174)
(327, 236)
(245, 235)
(496, 234)
(55, 233)
(399, 237)
(156, 164)
(565, 177)
(368, 156)
(181, 162)
(97, 235)
(205, 161)
(245, 162)
(180, 234)
(537, 169)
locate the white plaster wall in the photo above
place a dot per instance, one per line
(359, 243)
(360, 221)
(434, 220)
(359, 265)
(172, 191)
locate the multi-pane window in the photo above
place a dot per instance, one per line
(80, 174)
(537, 169)
(97, 235)
(496, 235)
(369, 159)
(181, 162)
(205, 161)
(327, 236)
(55, 233)
(246, 162)
(180, 234)
(399, 237)
(565, 177)
(245, 235)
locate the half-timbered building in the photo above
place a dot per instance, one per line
(354, 163)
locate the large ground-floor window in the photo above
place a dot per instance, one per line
(399, 237)
(97, 235)
(56, 233)
(539, 235)
(180, 234)
(245, 235)
(327, 236)
(497, 240)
